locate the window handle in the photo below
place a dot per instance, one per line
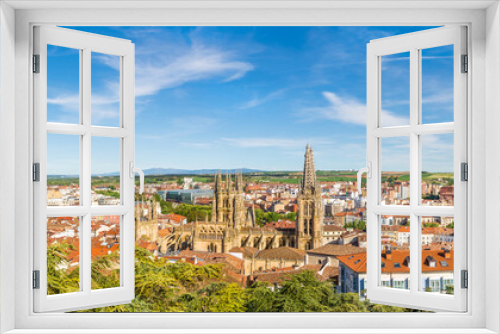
(368, 171)
(139, 171)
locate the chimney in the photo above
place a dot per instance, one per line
(306, 259)
(447, 254)
(388, 254)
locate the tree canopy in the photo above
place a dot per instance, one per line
(161, 286)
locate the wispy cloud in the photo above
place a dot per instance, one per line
(257, 101)
(438, 98)
(198, 145)
(286, 143)
(349, 110)
(199, 62)
(156, 70)
(161, 64)
(103, 106)
(180, 127)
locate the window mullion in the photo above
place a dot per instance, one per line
(414, 168)
(85, 161)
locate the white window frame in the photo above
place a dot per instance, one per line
(413, 43)
(85, 43)
(482, 18)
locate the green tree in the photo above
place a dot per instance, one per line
(216, 297)
(302, 292)
(60, 280)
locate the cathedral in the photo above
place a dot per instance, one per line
(232, 222)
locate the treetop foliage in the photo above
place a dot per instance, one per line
(161, 286)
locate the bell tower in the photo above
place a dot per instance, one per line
(309, 227)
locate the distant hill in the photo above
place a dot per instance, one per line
(175, 171)
(170, 171)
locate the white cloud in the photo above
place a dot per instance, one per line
(104, 106)
(156, 72)
(287, 143)
(350, 110)
(181, 127)
(161, 64)
(255, 102)
(65, 100)
(439, 98)
(198, 145)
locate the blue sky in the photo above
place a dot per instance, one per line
(232, 97)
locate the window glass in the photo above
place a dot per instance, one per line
(106, 171)
(105, 249)
(105, 90)
(395, 251)
(395, 168)
(63, 255)
(437, 254)
(437, 169)
(395, 92)
(63, 170)
(63, 85)
(437, 84)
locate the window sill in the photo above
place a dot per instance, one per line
(248, 331)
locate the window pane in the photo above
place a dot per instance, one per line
(105, 171)
(63, 170)
(63, 85)
(105, 252)
(395, 252)
(395, 90)
(437, 254)
(395, 168)
(63, 255)
(437, 84)
(437, 169)
(105, 90)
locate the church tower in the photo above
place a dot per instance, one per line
(228, 205)
(309, 227)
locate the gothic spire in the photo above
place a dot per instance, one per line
(218, 181)
(309, 177)
(238, 179)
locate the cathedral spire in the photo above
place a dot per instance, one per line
(309, 177)
(218, 181)
(238, 179)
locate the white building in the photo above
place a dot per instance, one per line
(437, 271)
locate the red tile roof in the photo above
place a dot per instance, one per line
(285, 253)
(246, 251)
(337, 250)
(333, 228)
(358, 262)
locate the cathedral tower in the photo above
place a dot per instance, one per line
(309, 230)
(228, 205)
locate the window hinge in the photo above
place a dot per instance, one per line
(36, 279)
(36, 172)
(464, 171)
(36, 63)
(465, 64)
(465, 279)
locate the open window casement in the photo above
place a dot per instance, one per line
(71, 223)
(388, 282)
